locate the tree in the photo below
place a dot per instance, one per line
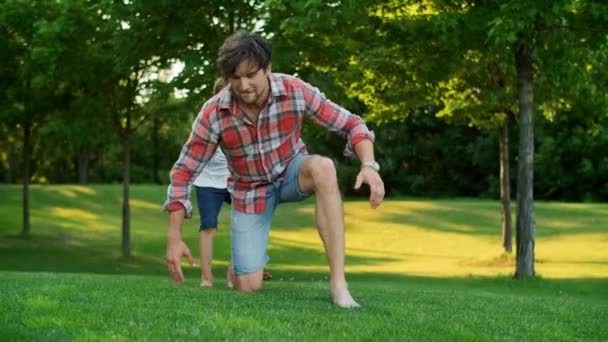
(28, 95)
(405, 55)
(150, 37)
(78, 121)
(402, 58)
(537, 38)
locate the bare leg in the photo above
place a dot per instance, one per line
(206, 245)
(318, 175)
(230, 276)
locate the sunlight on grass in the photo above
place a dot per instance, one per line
(446, 239)
(78, 219)
(562, 224)
(70, 191)
(135, 203)
(74, 214)
(573, 256)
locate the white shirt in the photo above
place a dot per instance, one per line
(215, 173)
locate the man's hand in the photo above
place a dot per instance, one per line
(376, 186)
(176, 249)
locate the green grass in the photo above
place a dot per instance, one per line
(422, 269)
(84, 306)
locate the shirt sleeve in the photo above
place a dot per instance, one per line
(196, 152)
(325, 113)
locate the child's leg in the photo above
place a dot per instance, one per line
(209, 204)
(230, 276)
(206, 244)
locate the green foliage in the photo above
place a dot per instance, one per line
(572, 158)
(422, 156)
(78, 68)
(455, 58)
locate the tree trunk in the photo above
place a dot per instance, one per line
(83, 165)
(231, 21)
(100, 166)
(505, 186)
(25, 232)
(155, 156)
(126, 214)
(525, 177)
(12, 164)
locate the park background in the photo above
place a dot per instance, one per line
(491, 123)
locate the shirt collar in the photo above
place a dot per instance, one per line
(276, 85)
(276, 89)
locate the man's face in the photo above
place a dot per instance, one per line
(250, 83)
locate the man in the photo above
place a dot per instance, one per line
(211, 193)
(257, 123)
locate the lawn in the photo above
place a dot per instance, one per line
(422, 269)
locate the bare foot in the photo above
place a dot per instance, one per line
(206, 283)
(342, 298)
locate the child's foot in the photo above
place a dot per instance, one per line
(342, 298)
(206, 283)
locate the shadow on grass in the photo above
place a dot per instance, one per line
(41, 253)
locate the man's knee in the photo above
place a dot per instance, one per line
(248, 283)
(323, 172)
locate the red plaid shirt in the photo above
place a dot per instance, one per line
(257, 154)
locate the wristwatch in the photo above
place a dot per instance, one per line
(371, 164)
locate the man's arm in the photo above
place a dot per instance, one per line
(197, 151)
(325, 113)
(360, 138)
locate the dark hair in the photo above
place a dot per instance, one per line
(242, 46)
(218, 85)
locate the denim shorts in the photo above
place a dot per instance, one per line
(210, 202)
(249, 238)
